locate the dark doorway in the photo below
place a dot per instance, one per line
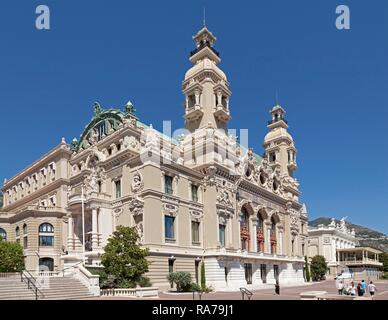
(46, 264)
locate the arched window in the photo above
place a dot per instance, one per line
(46, 235)
(260, 232)
(273, 235)
(17, 234)
(3, 234)
(25, 236)
(244, 229)
(46, 228)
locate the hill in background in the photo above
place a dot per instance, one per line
(367, 237)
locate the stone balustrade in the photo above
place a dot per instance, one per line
(130, 292)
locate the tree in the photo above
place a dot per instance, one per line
(124, 260)
(307, 269)
(318, 267)
(11, 256)
(181, 279)
(383, 257)
(203, 277)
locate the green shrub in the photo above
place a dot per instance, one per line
(181, 279)
(307, 269)
(144, 282)
(318, 268)
(196, 287)
(11, 256)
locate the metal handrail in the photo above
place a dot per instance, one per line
(245, 291)
(31, 281)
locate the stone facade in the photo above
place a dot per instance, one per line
(200, 197)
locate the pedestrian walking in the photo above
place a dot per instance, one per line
(363, 287)
(372, 289)
(340, 287)
(277, 287)
(359, 290)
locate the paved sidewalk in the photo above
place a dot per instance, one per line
(286, 293)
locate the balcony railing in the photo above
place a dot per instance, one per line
(360, 261)
(276, 120)
(203, 46)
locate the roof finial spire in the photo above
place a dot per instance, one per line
(204, 16)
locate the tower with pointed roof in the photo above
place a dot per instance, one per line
(205, 87)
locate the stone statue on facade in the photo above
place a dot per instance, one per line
(137, 182)
(343, 224)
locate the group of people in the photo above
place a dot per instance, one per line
(352, 290)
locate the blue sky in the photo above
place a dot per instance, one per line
(332, 83)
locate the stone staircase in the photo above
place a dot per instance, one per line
(53, 288)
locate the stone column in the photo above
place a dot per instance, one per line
(70, 233)
(269, 250)
(94, 229)
(254, 237)
(239, 231)
(280, 242)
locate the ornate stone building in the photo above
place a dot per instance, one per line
(327, 240)
(201, 197)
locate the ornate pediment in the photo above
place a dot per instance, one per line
(196, 215)
(170, 206)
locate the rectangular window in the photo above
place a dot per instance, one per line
(276, 272)
(263, 273)
(170, 265)
(226, 270)
(25, 242)
(46, 241)
(196, 271)
(194, 193)
(169, 233)
(118, 188)
(171, 269)
(302, 249)
(168, 185)
(195, 232)
(248, 272)
(221, 236)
